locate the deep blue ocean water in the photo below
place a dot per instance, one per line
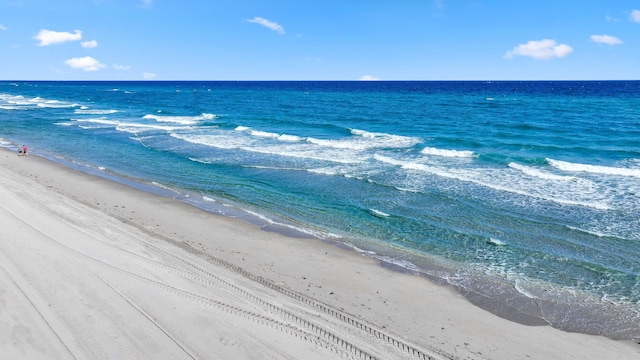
(525, 196)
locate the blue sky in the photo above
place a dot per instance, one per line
(319, 40)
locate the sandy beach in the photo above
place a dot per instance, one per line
(93, 269)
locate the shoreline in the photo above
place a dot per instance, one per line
(505, 300)
(432, 318)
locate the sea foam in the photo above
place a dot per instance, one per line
(538, 173)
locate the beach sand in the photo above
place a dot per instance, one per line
(93, 269)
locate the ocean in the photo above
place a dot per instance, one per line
(524, 196)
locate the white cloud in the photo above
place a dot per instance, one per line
(121, 67)
(369, 78)
(48, 37)
(268, 24)
(540, 50)
(86, 63)
(606, 39)
(149, 76)
(89, 44)
(2, 27)
(635, 15)
(146, 3)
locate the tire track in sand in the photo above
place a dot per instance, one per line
(334, 342)
(293, 324)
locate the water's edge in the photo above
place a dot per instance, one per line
(505, 301)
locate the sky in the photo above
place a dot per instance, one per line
(319, 40)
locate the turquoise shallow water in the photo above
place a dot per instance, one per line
(525, 196)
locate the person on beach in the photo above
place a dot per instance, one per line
(23, 150)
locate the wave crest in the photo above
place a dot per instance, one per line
(448, 153)
(183, 120)
(595, 169)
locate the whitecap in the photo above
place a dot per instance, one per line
(265, 134)
(386, 140)
(221, 142)
(85, 111)
(378, 213)
(325, 171)
(290, 138)
(55, 104)
(184, 120)
(65, 123)
(595, 169)
(121, 126)
(447, 153)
